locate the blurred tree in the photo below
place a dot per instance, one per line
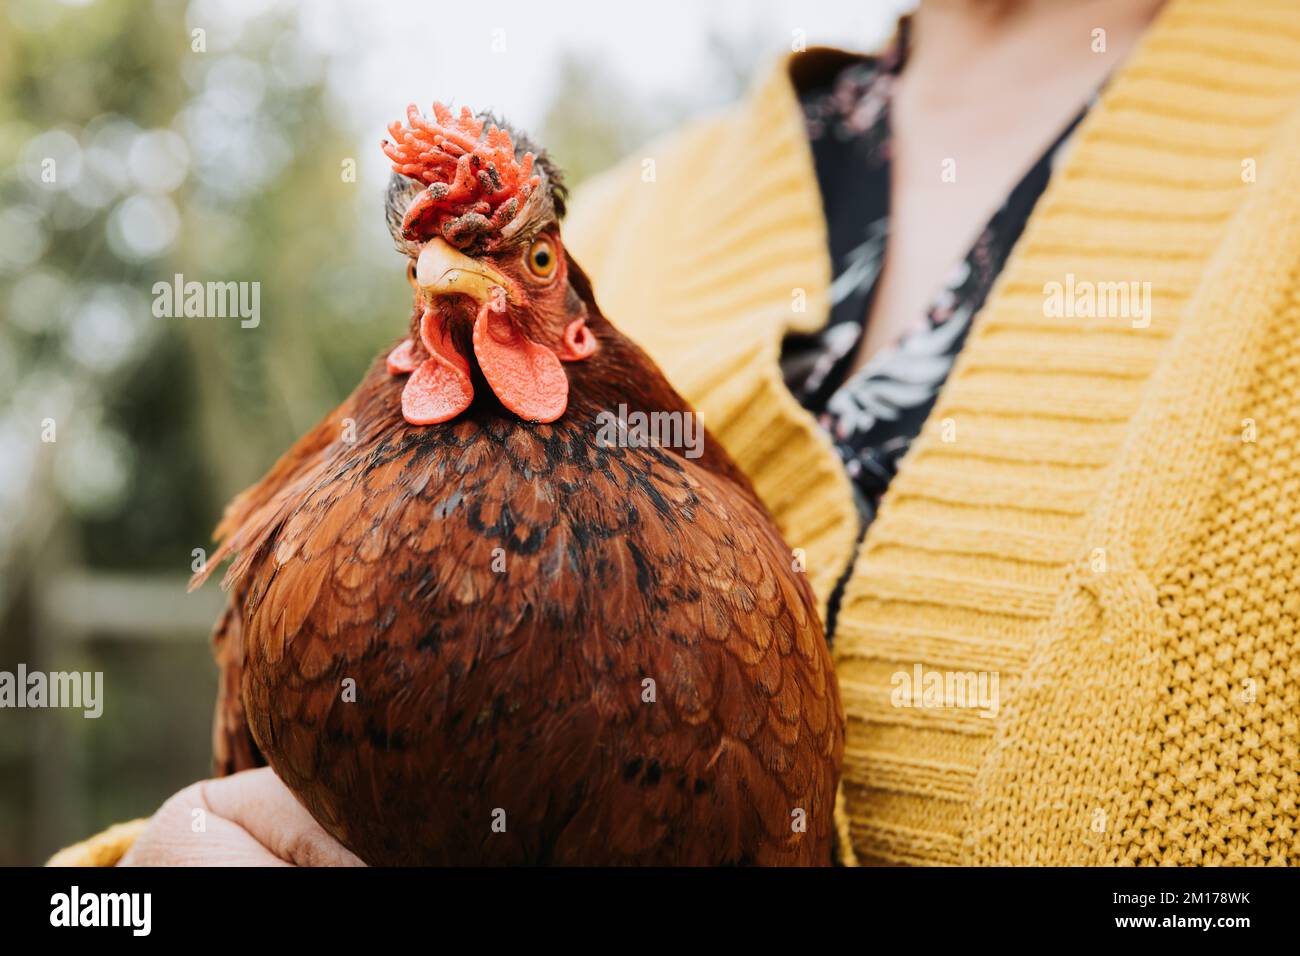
(594, 120)
(133, 149)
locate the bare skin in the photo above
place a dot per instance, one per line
(989, 84)
(249, 819)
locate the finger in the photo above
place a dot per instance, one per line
(258, 801)
(185, 832)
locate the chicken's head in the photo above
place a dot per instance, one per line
(478, 216)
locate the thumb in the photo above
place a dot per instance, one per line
(260, 803)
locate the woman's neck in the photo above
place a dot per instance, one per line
(985, 88)
(964, 51)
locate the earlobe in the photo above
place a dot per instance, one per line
(578, 342)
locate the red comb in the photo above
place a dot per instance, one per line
(477, 185)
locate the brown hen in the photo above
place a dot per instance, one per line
(474, 622)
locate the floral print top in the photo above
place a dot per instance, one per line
(874, 414)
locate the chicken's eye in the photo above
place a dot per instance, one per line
(410, 274)
(541, 258)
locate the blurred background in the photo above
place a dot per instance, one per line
(238, 140)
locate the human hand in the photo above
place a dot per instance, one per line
(247, 819)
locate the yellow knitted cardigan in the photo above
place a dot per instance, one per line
(1104, 514)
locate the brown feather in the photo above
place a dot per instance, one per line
(499, 594)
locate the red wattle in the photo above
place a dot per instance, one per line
(438, 342)
(440, 388)
(434, 394)
(526, 377)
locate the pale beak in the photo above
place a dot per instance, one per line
(443, 270)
